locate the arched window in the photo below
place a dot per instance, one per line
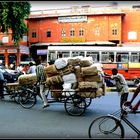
(97, 30)
(63, 33)
(81, 32)
(33, 33)
(72, 32)
(114, 30)
(48, 33)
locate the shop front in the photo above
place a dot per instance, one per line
(13, 55)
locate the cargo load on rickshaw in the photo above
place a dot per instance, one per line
(74, 81)
(80, 75)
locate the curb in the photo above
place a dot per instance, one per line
(110, 89)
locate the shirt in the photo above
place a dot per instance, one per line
(121, 83)
(32, 69)
(40, 73)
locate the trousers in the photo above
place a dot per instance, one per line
(123, 99)
(43, 92)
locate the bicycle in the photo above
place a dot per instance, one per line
(110, 126)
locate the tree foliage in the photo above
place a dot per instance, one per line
(12, 16)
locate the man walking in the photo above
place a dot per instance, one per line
(41, 79)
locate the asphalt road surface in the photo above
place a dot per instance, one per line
(54, 122)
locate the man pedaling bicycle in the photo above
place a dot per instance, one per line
(129, 103)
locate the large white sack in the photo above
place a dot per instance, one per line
(61, 63)
(68, 92)
(69, 78)
(75, 57)
(67, 85)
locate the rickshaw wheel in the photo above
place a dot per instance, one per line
(27, 99)
(75, 105)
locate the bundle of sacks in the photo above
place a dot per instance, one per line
(27, 79)
(78, 75)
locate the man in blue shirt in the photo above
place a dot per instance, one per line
(1, 85)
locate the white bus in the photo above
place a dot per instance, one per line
(125, 59)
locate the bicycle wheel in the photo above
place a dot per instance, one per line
(27, 99)
(16, 98)
(106, 127)
(75, 105)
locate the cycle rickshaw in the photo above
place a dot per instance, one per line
(75, 101)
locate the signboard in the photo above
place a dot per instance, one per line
(12, 50)
(109, 66)
(122, 66)
(24, 49)
(2, 51)
(42, 52)
(72, 19)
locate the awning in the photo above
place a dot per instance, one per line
(76, 43)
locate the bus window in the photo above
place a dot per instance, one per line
(134, 57)
(111, 56)
(94, 55)
(122, 57)
(63, 54)
(52, 56)
(105, 57)
(79, 53)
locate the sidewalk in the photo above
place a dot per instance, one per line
(111, 89)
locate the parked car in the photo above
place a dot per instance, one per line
(10, 75)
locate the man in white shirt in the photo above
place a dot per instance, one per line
(121, 86)
(32, 68)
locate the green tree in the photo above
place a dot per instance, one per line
(12, 16)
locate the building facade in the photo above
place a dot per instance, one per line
(72, 25)
(83, 25)
(11, 54)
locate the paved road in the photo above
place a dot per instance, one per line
(54, 122)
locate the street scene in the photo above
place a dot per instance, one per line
(69, 70)
(54, 122)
